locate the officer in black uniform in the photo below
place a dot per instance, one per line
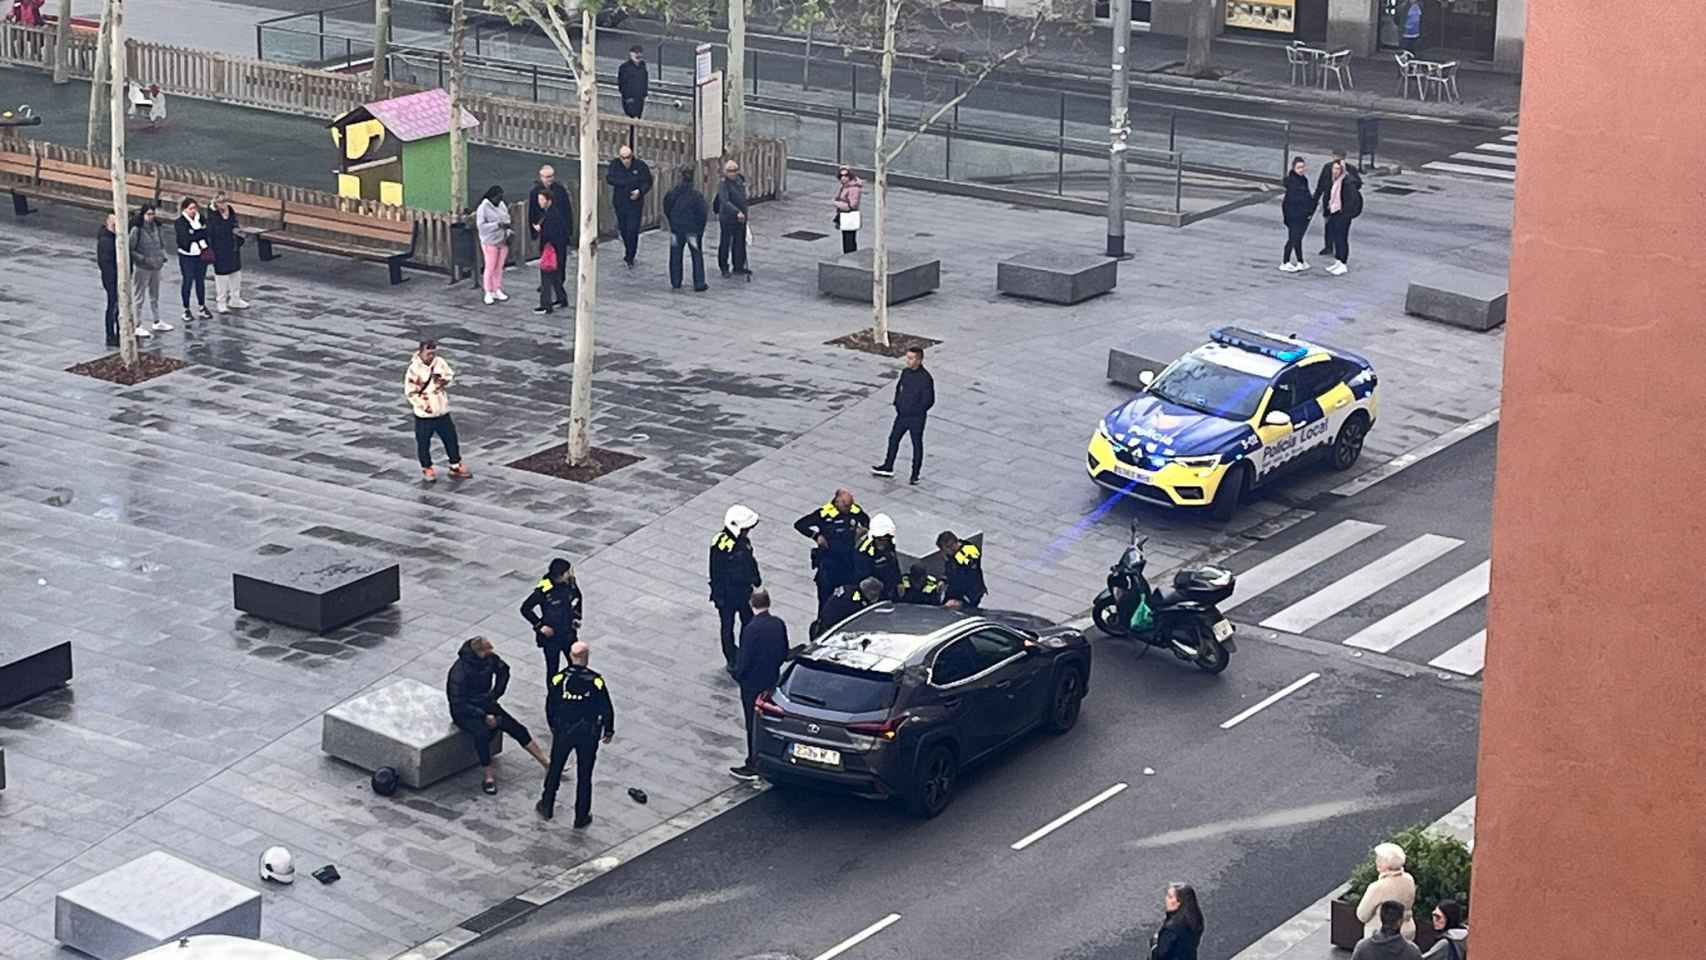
(581, 716)
(553, 609)
(835, 527)
(876, 557)
(848, 600)
(963, 564)
(918, 586)
(734, 575)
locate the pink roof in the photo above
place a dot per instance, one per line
(418, 115)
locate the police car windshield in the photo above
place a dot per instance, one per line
(1210, 388)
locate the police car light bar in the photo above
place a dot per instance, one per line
(1263, 344)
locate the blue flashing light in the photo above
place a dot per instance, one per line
(1281, 350)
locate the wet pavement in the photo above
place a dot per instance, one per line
(194, 729)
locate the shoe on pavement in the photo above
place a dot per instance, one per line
(882, 471)
(912, 481)
(543, 810)
(206, 314)
(429, 474)
(188, 316)
(1287, 268)
(541, 310)
(113, 342)
(460, 472)
(1302, 265)
(701, 289)
(219, 308)
(490, 299)
(1337, 269)
(500, 295)
(490, 787)
(239, 304)
(743, 772)
(143, 333)
(582, 821)
(161, 326)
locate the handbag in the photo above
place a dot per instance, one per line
(206, 254)
(849, 220)
(548, 258)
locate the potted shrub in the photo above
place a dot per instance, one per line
(1440, 866)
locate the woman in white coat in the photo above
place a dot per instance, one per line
(1392, 884)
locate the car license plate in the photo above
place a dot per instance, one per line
(811, 754)
(1223, 630)
(1131, 473)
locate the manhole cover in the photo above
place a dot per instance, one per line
(1396, 191)
(805, 235)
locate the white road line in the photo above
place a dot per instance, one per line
(1069, 816)
(1272, 699)
(1509, 138)
(1496, 148)
(1466, 658)
(1511, 129)
(1494, 159)
(1362, 584)
(1281, 567)
(858, 938)
(1405, 461)
(1400, 625)
(1444, 167)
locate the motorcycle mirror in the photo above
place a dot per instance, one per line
(1143, 543)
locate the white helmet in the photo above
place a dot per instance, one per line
(738, 519)
(277, 866)
(882, 526)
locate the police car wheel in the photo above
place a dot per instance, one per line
(1347, 446)
(1233, 487)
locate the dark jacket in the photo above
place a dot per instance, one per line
(632, 81)
(1453, 946)
(843, 603)
(106, 256)
(842, 529)
(734, 570)
(226, 242)
(185, 235)
(577, 705)
(554, 229)
(1350, 193)
(559, 198)
(625, 180)
(554, 605)
(927, 591)
(1299, 203)
(965, 576)
(731, 199)
(1384, 946)
(1324, 186)
(685, 209)
(914, 393)
(474, 685)
(763, 647)
(878, 559)
(1175, 940)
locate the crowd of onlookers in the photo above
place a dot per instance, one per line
(199, 240)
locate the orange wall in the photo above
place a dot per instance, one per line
(1591, 817)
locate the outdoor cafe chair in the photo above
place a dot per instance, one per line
(1338, 64)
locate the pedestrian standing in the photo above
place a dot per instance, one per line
(633, 83)
(1412, 40)
(1453, 942)
(147, 259)
(733, 228)
(1344, 204)
(847, 208)
(106, 258)
(193, 256)
(763, 648)
(1387, 942)
(553, 230)
(473, 687)
(630, 180)
(581, 715)
(914, 395)
(491, 219)
(686, 212)
(1323, 183)
(1297, 208)
(553, 609)
(427, 387)
(547, 183)
(835, 528)
(1181, 932)
(225, 236)
(733, 576)
(1392, 883)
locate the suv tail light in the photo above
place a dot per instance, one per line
(887, 729)
(767, 706)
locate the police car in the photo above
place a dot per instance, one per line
(1232, 415)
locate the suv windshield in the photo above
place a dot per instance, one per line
(1210, 388)
(833, 689)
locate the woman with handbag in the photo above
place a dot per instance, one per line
(847, 208)
(225, 237)
(193, 256)
(492, 221)
(553, 254)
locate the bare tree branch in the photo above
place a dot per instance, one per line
(1015, 53)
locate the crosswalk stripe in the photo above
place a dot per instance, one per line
(1511, 129)
(1494, 159)
(1509, 138)
(1476, 171)
(1281, 567)
(1400, 625)
(1466, 658)
(1497, 148)
(1362, 584)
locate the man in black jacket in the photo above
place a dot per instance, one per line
(475, 683)
(106, 257)
(730, 208)
(630, 180)
(633, 83)
(763, 648)
(547, 183)
(733, 575)
(685, 210)
(553, 609)
(1324, 184)
(581, 715)
(836, 528)
(914, 395)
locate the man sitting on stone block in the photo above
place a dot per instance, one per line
(477, 680)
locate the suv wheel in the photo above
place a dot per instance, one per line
(933, 782)
(1347, 446)
(1233, 488)
(1068, 696)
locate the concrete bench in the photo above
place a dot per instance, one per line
(404, 725)
(315, 588)
(1124, 367)
(849, 276)
(29, 668)
(934, 562)
(1056, 276)
(152, 900)
(1462, 298)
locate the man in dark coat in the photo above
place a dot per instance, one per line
(733, 575)
(553, 609)
(730, 208)
(836, 528)
(685, 210)
(914, 395)
(763, 648)
(581, 715)
(633, 83)
(630, 180)
(475, 683)
(1323, 183)
(106, 257)
(962, 565)
(547, 183)
(846, 601)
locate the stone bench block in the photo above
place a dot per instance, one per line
(404, 725)
(1124, 366)
(1462, 298)
(29, 668)
(934, 561)
(152, 900)
(849, 276)
(315, 588)
(1056, 276)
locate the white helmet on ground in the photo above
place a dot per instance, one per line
(277, 865)
(882, 526)
(738, 519)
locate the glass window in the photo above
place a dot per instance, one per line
(955, 662)
(994, 646)
(849, 691)
(1316, 379)
(1210, 388)
(1285, 392)
(1274, 16)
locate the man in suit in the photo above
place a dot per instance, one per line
(763, 648)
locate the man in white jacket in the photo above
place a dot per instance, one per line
(427, 387)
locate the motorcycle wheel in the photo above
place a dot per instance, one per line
(1212, 657)
(1107, 618)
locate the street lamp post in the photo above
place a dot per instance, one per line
(1119, 126)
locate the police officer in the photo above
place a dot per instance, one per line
(553, 609)
(963, 564)
(876, 556)
(581, 716)
(846, 601)
(734, 575)
(835, 527)
(918, 586)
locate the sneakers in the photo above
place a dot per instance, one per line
(239, 304)
(700, 289)
(205, 313)
(113, 342)
(143, 333)
(912, 482)
(1288, 268)
(429, 474)
(743, 772)
(541, 309)
(161, 326)
(1302, 265)
(460, 472)
(1338, 269)
(543, 810)
(882, 471)
(188, 316)
(217, 308)
(490, 299)
(500, 295)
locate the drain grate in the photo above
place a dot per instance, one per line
(1396, 191)
(805, 235)
(497, 916)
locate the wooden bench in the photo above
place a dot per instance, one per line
(65, 182)
(356, 235)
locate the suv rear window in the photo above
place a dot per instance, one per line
(843, 690)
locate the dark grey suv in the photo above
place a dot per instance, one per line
(895, 700)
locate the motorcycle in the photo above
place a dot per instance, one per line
(1183, 619)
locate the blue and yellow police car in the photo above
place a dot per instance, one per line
(1232, 415)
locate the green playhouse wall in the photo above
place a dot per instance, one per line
(426, 174)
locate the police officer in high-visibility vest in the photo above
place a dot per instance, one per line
(734, 575)
(835, 527)
(918, 586)
(581, 716)
(962, 564)
(848, 600)
(554, 611)
(876, 556)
